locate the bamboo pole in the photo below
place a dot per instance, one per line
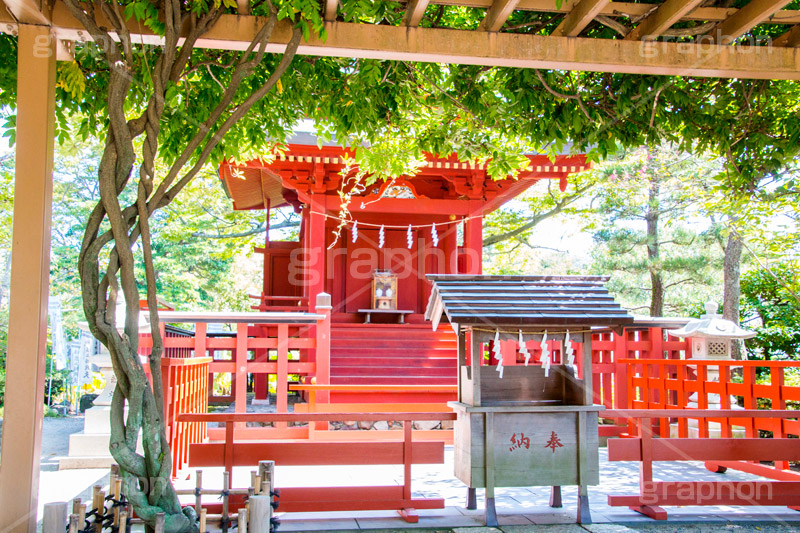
(203, 520)
(73, 523)
(198, 499)
(226, 485)
(159, 525)
(242, 521)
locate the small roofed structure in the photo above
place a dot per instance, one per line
(532, 301)
(529, 420)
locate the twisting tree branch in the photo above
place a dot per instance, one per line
(147, 475)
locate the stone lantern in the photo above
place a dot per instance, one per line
(711, 338)
(89, 448)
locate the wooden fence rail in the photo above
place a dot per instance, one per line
(402, 451)
(647, 449)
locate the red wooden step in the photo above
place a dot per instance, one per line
(391, 371)
(339, 362)
(397, 380)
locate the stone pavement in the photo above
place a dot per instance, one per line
(519, 509)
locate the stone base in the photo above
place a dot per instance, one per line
(254, 401)
(74, 463)
(89, 444)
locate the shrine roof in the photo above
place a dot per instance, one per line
(527, 302)
(291, 177)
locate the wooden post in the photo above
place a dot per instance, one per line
(323, 347)
(588, 397)
(240, 377)
(159, 526)
(491, 512)
(282, 377)
(260, 513)
(55, 517)
(30, 271)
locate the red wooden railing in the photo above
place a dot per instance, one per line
(714, 452)
(402, 450)
(700, 384)
(278, 343)
(185, 382)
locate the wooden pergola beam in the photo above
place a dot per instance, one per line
(626, 9)
(29, 11)
(667, 14)
(400, 43)
(745, 20)
(580, 17)
(497, 15)
(791, 38)
(330, 9)
(414, 12)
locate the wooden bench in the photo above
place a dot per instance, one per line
(714, 452)
(401, 314)
(307, 452)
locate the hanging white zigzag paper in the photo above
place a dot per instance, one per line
(545, 355)
(568, 351)
(434, 236)
(498, 354)
(410, 237)
(381, 237)
(355, 231)
(523, 348)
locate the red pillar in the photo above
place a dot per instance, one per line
(315, 258)
(473, 239)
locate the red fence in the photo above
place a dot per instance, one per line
(185, 382)
(700, 384)
(282, 344)
(715, 452)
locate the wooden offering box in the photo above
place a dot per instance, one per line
(525, 426)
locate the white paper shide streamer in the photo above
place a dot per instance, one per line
(434, 236)
(523, 349)
(545, 355)
(568, 351)
(381, 237)
(410, 237)
(355, 231)
(498, 353)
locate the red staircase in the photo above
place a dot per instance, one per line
(393, 354)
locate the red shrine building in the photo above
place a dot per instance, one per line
(373, 257)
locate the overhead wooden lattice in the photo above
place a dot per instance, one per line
(744, 39)
(524, 301)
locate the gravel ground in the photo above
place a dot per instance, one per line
(55, 438)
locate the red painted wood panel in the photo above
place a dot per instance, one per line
(713, 493)
(706, 449)
(316, 453)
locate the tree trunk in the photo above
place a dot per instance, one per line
(115, 234)
(656, 280)
(731, 286)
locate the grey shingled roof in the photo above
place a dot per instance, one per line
(532, 301)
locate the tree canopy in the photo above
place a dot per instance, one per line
(164, 113)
